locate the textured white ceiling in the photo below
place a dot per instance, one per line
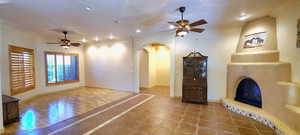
(150, 16)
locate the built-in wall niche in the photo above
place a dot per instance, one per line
(298, 34)
(255, 40)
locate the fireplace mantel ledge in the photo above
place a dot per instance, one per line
(293, 108)
(294, 84)
(259, 115)
(259, 52)
(258, 63)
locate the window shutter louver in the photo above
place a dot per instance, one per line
(22, 76)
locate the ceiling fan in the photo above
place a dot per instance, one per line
(66, 43)
(183, 27)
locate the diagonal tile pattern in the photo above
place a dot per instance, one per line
(163, 116)
(166, 116)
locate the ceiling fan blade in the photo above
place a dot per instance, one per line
(53, 43)
(200, 22)
(174, 23)
(197, 30)
(75, 44)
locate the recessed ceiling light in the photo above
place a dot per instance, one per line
(83, 40)
(171, 27)
(111, 36)
(243, 17)
(138, 31)
(88, 9)
(96, 38)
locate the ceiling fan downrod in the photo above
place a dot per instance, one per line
(181, 9)
(65, 33)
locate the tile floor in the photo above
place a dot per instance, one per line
(162, 115)
(45, 110)
(157, 90)
(166, 116)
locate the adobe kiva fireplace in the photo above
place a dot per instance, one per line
(259, 85)
(248, 92)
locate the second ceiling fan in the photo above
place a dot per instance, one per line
(183, 26)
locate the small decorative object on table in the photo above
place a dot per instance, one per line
(194, 84)
(10, 109)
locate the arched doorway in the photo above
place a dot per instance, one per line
(155, 69)
(248, 92)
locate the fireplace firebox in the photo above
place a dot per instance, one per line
(248, 92)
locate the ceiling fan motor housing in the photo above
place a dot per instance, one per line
(181, 9)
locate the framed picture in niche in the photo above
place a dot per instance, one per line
(298, 34)
(255, 40)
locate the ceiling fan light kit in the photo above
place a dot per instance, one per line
(183, 27)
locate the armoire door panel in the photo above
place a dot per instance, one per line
(194, 87)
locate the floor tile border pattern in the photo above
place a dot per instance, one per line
(92, 115)
(256, 117)
(119, 115)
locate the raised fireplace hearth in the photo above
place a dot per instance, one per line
(259, 85)
(248, 92)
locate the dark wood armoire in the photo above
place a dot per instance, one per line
(194, 84)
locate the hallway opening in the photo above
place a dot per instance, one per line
(155, 63)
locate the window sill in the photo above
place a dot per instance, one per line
(62, 83)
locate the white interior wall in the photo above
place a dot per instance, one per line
(13, 35)
(117, 70)
(119, 73)
(287, 17)
(1, 90)
(109, 64)
(216, 43)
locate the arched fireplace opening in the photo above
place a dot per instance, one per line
(248, 92)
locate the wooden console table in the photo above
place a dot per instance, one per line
(10, 109)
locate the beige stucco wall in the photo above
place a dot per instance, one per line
(287, 17)
(152, 67)
(159, 65)
(273, 77)
(144, 72)
(265, 24)
(155, 65)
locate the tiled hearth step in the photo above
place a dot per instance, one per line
(259, 115)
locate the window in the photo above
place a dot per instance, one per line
(61, 68)
(22, 76)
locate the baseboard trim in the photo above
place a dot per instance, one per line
(44, 93)
(2, 130)
(214, 100)
(97, 87)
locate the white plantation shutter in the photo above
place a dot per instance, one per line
(22, 76)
